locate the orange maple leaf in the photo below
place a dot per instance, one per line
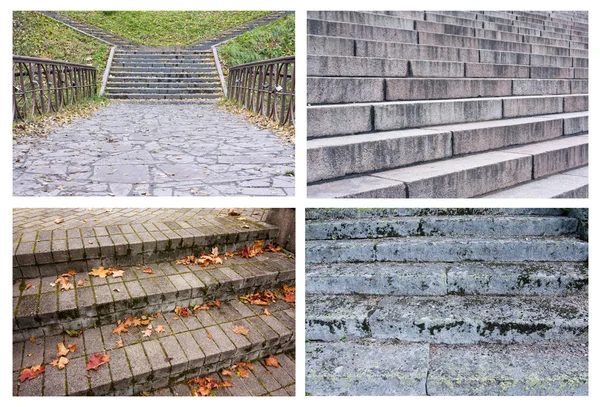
(100, 272)
(240, 330)
(60, 363)
(147, 270)
(120, 328)
(97, 360)
(30, 373)
(159, 329)
(272, 361)
(226, 372)
(62, 350)
(72, 347)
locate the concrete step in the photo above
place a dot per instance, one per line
(143, 63)
(344, 119)
(47, 310)
(164, 96)
(164, 90)
(165, 75)
(356, 90)
(397, 369)
(148, 69)
(426, 279)
(568, 184)
(163, 52)
(352, 213)
(360, 31)
(73, 247)
(440, 226)
(447, 249)
(448, 319)
(192, 346)
(172, 84)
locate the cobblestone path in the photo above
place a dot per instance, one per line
(155, 148)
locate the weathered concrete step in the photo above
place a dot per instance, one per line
(352, 90)
(191, 346)
(344, 119)
(148, 69)
(164, 96)
(449, 319)
(440, 226)
(361, 368)
(163, 52)
(366, 369)
(165, 75)
(568, 184)
(470, 278)
(81, 249)
(352, 213)
(164, 90)
(508, 370)
(151, 64)
(164, 58)
(164, 80)
(363, 18)
(164, 84)
(360, 31)
(47, 310)
(447, 249)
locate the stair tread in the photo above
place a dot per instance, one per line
(192, 345)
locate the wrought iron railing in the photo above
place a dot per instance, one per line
(43, 85)
(266, 87)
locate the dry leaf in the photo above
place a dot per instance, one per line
(118, 273)
(62, 350)
(267, 312)
(60, 363)
(208, 335)
(31, 339)
(148, 331)
(30, 373)
(119, 343)
(159, 329)
(81, 283)
(122, 327)
(147, 270)
(71, 273)
(96, 361)
(72, 347)
(225, 383)
(226, 372)
(240, 330)
(234, 212)
(28, 286)
(243, 373)
(100, 272)
(272, 361)
(59, 220)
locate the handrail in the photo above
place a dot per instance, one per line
(266, 87)
(45, 85)
(107, 70)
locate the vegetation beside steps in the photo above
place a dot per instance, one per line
(35, 35)
(270, 41)
(168, 28)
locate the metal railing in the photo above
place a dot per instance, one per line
(43, 85)
(266, 87)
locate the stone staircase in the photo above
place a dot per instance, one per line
(135, 240)
(447, 104)
(140, 72)
(446, 302)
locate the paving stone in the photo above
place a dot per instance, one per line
(77, 380)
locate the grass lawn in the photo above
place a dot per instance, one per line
(271, 41)
(35, 35)
(165, 28)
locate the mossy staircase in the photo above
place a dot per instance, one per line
(446, 302)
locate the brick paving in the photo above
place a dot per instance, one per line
(190, 346)
(88, 238)
(154, 149)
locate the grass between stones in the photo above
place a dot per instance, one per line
(274, 40)
(165, 28)
(35, 35)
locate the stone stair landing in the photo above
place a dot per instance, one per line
(443, 104)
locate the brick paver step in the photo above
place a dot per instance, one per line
(396, 369)
(45, 308)
(196, 345)
(124, 237)
(448, 319)
(262, 381)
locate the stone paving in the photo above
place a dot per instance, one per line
(155, 149)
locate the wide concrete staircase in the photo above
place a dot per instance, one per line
(136, 241)
(447, 104)
(140, 72)
(446, 302)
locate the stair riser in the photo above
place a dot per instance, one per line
(350, 213)
(165, 76)
(162, 90)
(57, 261)
(190, 70)
(197, 85)
(457, 226)
(446, 250)
(173, 96)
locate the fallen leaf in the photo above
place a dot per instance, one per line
(175, 317)
(100, 272)
(29, 355)
(272, 361)
(30, 373)
(60, 363)
(97, 360)
(72, 347)
(118, 273)
(119, 343)
(117, 290)
(62, 350)
(64, 283)
(226, 372)
(147, 332)
(203, 307)
(234, 212)
(208, 335)
(59, 220)
(225, 383)
(265, 298)
(159, 329)
(240, 330)
(81, 283)
(267, 312)
(182, 311)
(243, 373)
(272, 248)
(71, 272)
(229, 254)
(120, 328)
(73, 333)
(148, 270)
(28, 286)
(31, 339)
(216, 303)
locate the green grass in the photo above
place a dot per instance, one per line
(35, 35)
(271, 41)
(165, 28)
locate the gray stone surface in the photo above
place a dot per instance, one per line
(323, 65)
(357, 369)
(358, 187)
(569, 184)
(433, 88)
(508, 370)
(344, 90)
(338, 120)
(490, 70)
(194, 149)
(531, 105)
